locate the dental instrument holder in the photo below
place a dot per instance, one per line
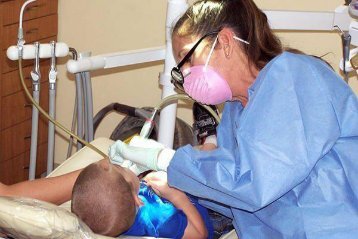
(35, 73)
(52, 97)
(36, 76)
(22, 52)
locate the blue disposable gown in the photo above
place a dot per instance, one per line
(286, 165)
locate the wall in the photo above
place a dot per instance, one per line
(112, 25)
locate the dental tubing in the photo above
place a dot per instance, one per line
(49, 117)
(167, 99)
(147, 152)
(160, 157)
(149, 124)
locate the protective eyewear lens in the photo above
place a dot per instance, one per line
(177, 75)
(177, 78)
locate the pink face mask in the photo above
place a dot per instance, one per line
(205, 85)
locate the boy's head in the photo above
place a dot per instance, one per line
(105, 197)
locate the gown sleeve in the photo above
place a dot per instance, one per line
(270, 147)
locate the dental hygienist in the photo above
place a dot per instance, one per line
(286, 161)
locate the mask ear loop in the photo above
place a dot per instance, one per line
(239, 39)
(210, 53)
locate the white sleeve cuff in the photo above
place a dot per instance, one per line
(211, 139)
(164, 158)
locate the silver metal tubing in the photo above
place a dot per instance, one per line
(36, 76)
(51, 129)
(52, 109)
(85, 108)
(74, 116)
(73, 126)
(34, 135)
(89, 100)
(79, 94)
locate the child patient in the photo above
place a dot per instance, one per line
(112, 201)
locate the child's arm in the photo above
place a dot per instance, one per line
(196, 227)
(54, 189)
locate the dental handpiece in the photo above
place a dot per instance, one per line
(148, 125)
(35, 73)
(36, 77)
(346, 40)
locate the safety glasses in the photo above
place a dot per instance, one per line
(177, 75)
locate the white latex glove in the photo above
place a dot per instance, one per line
(116, 157)
(146, 152)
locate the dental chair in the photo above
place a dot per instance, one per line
(29, 218)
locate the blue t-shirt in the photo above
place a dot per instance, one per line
(159, 218)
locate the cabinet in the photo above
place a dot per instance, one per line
(40, 23)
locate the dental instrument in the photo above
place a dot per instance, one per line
(52, 76)
(42, 111)
(52, 105)
(145, 152)
(346, 42)
(148, 125)
(36, 77)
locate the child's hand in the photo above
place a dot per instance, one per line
(158, 182)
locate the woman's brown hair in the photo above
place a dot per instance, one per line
(242, 16)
